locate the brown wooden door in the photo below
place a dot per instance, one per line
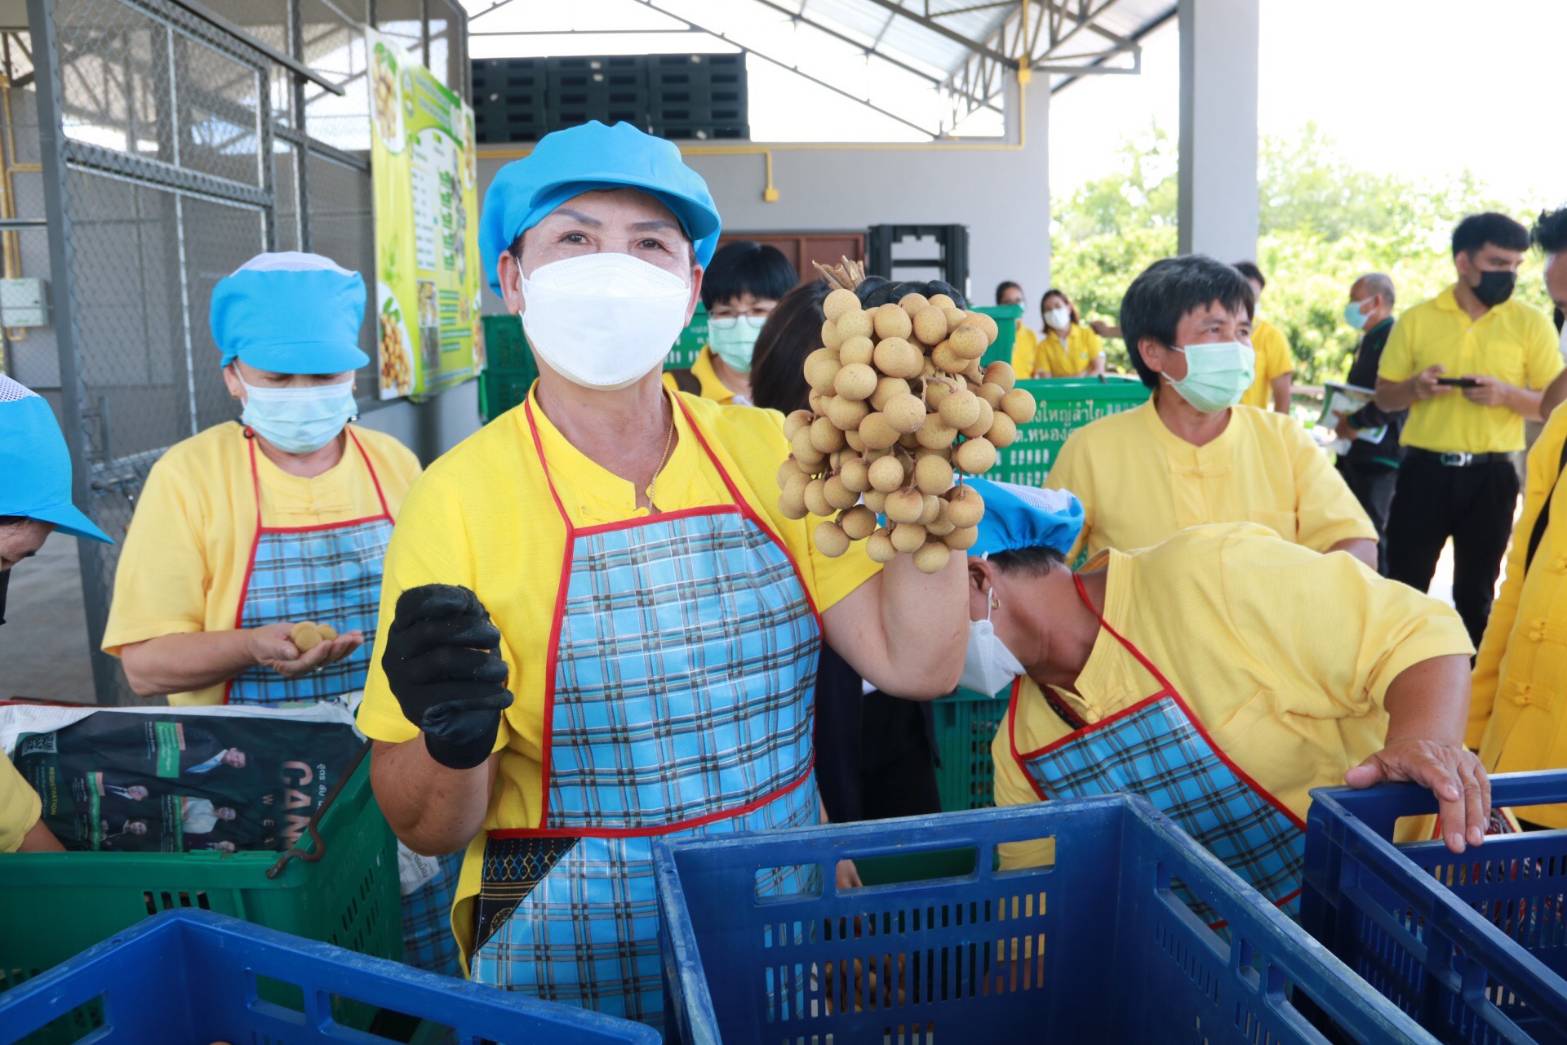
(802, 248)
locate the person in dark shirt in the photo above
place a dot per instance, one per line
(1371, 469)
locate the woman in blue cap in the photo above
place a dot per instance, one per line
(1223, 674)
(250, 528)
(597, 626)
(35, 501)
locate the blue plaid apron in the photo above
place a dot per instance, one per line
(330, 574)
(1156, 748)
(679, 705)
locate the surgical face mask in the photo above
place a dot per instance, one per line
(1058, 318)
(733, 338)
(1353, 314)
(988, 666)
(1217, 375)
(603, 320)
(1495, 287)
(299, 420)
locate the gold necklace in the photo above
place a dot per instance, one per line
(669, 447)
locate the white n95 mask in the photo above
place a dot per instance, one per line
(988, 666)
(603, 320)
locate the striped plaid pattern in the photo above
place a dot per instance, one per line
(428, 942)
(587, 932)
(1157, 752)
(687, 661)
(329, 576)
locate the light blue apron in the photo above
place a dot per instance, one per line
(679, 705)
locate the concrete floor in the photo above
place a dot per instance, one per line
(43, 645)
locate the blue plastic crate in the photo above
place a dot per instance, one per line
(1474, 946)
(192, 976)
(1096, 947)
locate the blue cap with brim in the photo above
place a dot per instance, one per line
(588, 158)
(290, 313)
(36, 464)
(1018, 517)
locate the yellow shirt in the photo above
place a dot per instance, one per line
(1284, 656)
(20, 807)
(182, 567)
(712, 387)
(1072, 358)
(1140, 483)
(483, 517)
(1025, 352)
(1518, 710)
(1513, 341)
(1274, 360)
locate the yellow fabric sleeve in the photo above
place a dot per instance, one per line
(160, 585)
(1542, 353)
(1025, 353)
(1281, 360)
(1328, 511)
(1398, 355)
(20, 807)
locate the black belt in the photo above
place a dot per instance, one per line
(1449, 460)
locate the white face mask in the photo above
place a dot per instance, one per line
(988, 666)
(603, 320)
(1058, 318)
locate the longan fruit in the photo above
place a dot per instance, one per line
(939, 528)
(991, 394)
(965, 507)
(855, 381)
(876, 433)
(912, 302)
(962, 539)
(839, 302)
(1003, 431)
(936, 393)
(818, 401)
(816, 498)
(908, 537)
(975, 456)
(879, 547)
(834, 461)
(858, 522)
(935, 434)
(988, 324)
(891, 321)
(981, 426)
(905, 506)
(791, 502)
(955, 319)
(968, 342)
(932, 512)
(960, 409)
(855, 475)
(946, 358)
(855, 442)
(328, 633)
(905, 413)
(805, 452)
(887, 475)
(825, 436)
(831, 541)
(821, 367)
(1019, 406)
(933, 557)
(788, 470)
(932, 474)
(838, 495)
(943, 302)
(305, 636)
(796, 421)
(1001, 373)
(845, 414)
(855, 350)
(974, 373)
(895, 357)
(876, 501)
(886, 388)
(831, 338)
(854, 324)
(930, 325)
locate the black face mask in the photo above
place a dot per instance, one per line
(5, 582)
(1495, 287)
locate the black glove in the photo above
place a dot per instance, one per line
(443, 662)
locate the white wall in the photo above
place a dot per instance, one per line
(1001, 194)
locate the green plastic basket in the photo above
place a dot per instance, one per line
(339, 886)
(1065, 405)
(1006, 317)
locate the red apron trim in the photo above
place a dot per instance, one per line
(643, 520)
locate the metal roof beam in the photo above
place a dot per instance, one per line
(965, 10)
(936, 27)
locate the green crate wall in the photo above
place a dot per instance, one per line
(1065, 405)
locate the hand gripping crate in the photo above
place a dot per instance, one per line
(1098, 946)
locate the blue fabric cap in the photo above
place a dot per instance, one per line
(586, 158)
(1025, 517)
(36, 464)
(290, 313)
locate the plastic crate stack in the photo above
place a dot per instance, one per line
(698, 96)
(508, 100)
(610, 90)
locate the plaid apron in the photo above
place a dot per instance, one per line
(428, 942)
(330, 574)
(679, 705)
(1156, 748)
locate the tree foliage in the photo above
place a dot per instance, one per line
(1322, 223)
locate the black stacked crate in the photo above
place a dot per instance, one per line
(605, 89)
(698, 95)
(508, 100)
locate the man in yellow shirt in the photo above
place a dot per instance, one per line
(1469, 365)
(1191, 455)
(740, 290)
(1222, 674)
(598, 625)
(1275, 377)
(35, 501)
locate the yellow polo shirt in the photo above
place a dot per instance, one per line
(1518, 710)
(483, 517)
(20, 807)
(1072, 357)
(1274, 360)
(1025, 352)
(1284, 657)
(182, 567)
(702, 370)
(1140, 483)
(1513, 341)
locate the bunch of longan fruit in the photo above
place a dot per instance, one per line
(899, 408)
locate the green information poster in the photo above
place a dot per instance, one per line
(424, 170)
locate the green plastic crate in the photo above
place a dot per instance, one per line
(1065, 405)
(690, 342)
(55, 905)
(1006, 317)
